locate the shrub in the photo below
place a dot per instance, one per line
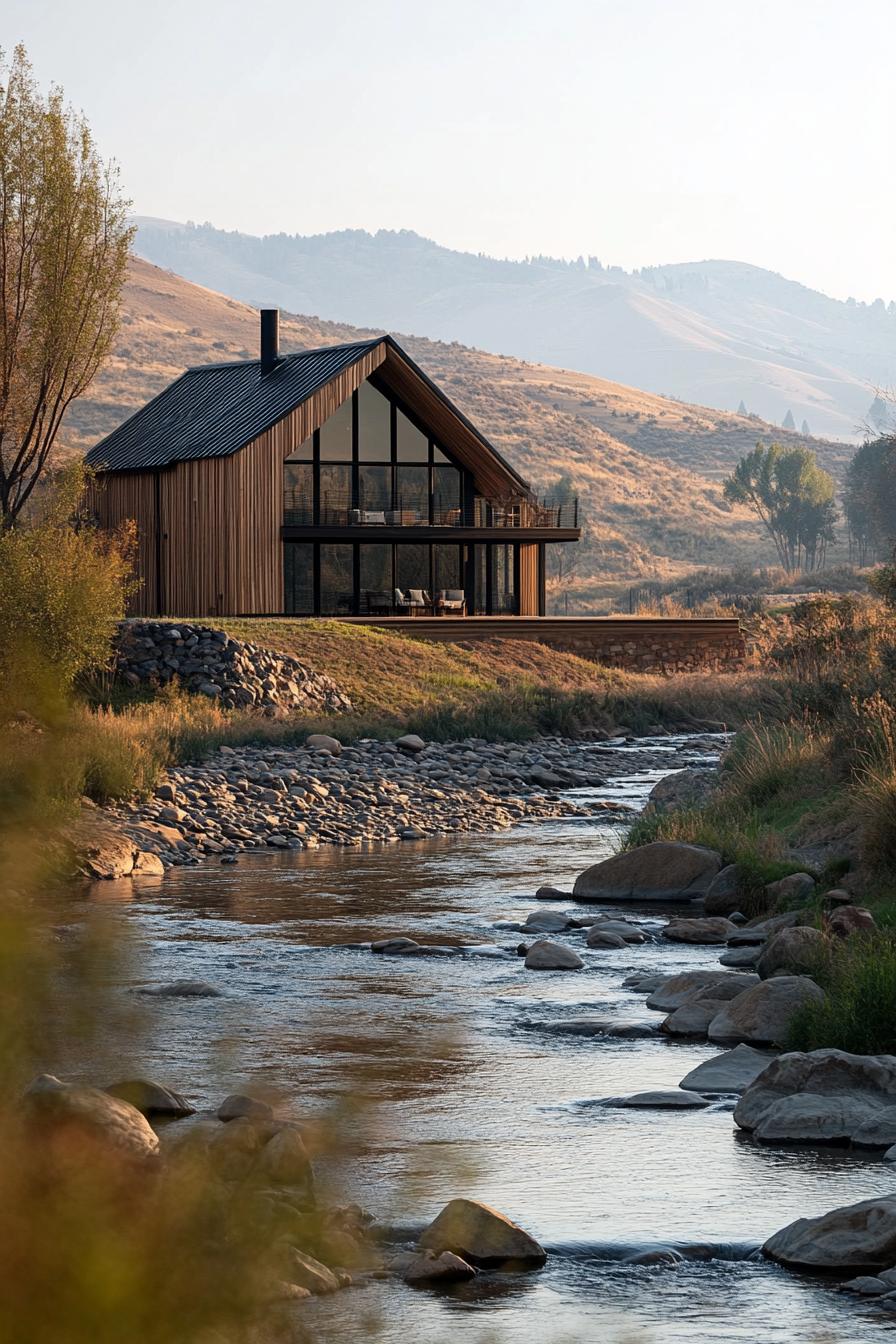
(858, 1013)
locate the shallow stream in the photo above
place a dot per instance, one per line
(460, 1087)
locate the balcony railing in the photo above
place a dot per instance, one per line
(336, 510)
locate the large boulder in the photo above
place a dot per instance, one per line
(324, 743)
(705, 931)
(446, 1267)
(547, 921)
(601, 937)
(762, 1015)
(722, 896)
(80, 1120)
(692, 1018)
(661, 871)
(796, 951)
(732, 1071)
(684, 788)
(760, 930)
(824, 1096)
(856, 1237)
(481, 1236)
(850, 919)
(547, 956)
(796, 887)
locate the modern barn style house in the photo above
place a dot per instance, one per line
(333, 482)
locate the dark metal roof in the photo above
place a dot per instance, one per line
(215, 409)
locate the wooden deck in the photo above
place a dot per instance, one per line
(641, 643)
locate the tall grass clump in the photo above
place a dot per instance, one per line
(858, 1012)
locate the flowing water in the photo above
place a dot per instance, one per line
(461, 1088)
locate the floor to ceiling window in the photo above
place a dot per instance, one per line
(360, 579)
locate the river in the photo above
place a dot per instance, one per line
(455, 1084)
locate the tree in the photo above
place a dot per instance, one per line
(869, 500)
(789, 422)
(793, 496)
(64, 240)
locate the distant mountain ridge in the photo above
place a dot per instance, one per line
(716, 333)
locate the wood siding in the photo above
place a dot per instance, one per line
(529, 579)
(114, 498)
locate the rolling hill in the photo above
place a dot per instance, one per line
(630, 455)
(718, 333)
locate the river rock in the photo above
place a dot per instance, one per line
(410, 743)
(722, 894)
(603, 1026)
(323, 742)
(183, 989)
(705, 931)
(732, 1071)
(106, 854)
(552, 894)
(481, 1236)
(674, 990)
(759, 930)
(630, 933)
(77, 1119)
(762, 1015)
(795, 888)
(737, 957)
(238, 1105)
(662, 1100)
(823, 1096)
(394, 946)
(308, 1273)
(150, 1098)
(796, 951)
(684, 788)
(547, 956)
(644, 984)
(692, 1018)
(850, 919)
(446, 1267)
(601, 937)
(147, 864)
(855, 1237)
(661, 871)
(546, 921)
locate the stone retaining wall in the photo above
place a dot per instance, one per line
(211, 663)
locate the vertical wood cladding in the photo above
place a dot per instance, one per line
(116, 497)
(529, 579)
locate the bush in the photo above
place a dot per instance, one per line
(62, 589)
(858, 1013)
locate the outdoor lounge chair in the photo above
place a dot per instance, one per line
(413, 601)
(452, 600)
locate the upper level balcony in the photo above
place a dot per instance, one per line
(341, 509)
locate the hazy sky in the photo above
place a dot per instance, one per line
(639, 131)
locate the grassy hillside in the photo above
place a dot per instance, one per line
(631, 455)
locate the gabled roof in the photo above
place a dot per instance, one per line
(214, 410)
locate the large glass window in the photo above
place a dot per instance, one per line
(298, 494)
(446, 568)
(337, 580)
(411, 445)
(446, 496)
(374, 490)
(336, 435)
(304, 452)
(375, 586)
(502, 588)
(412, 567)
(335, 494)
(480, 590)
(374, 425)
(298, 578)
(412, 494)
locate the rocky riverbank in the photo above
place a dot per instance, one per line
(258, 797)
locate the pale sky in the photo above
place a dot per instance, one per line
(638, 131)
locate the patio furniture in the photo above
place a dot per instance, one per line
(378, 603)
(404, 518)
(452, 601)
(414, 601)
(369, 517)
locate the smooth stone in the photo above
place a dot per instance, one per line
(796, 951)
(150, 1098)
(722, 894)
(740, 956)
(662, 1100)
(644, 984)
(867, 1286)
(308, 1273)
(732, 1071)
(546, 921)
(446, 1267)
(661, 871)
(678, 989)
(854, 1237)
(394, 945)
(759, 930)
(552, 894)
(599, 937)
(692, 1018)
(762, 1015)
(547, 956)
(323, 742)
(823, 1096)
(629, 933)
(796, 887)
(183, 989)
(850, 919)
(703, 931)
(481, 1236)
(602, 1026)
(410, 743)
(238, 1105)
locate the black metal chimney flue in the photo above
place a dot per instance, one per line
(270, 338)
